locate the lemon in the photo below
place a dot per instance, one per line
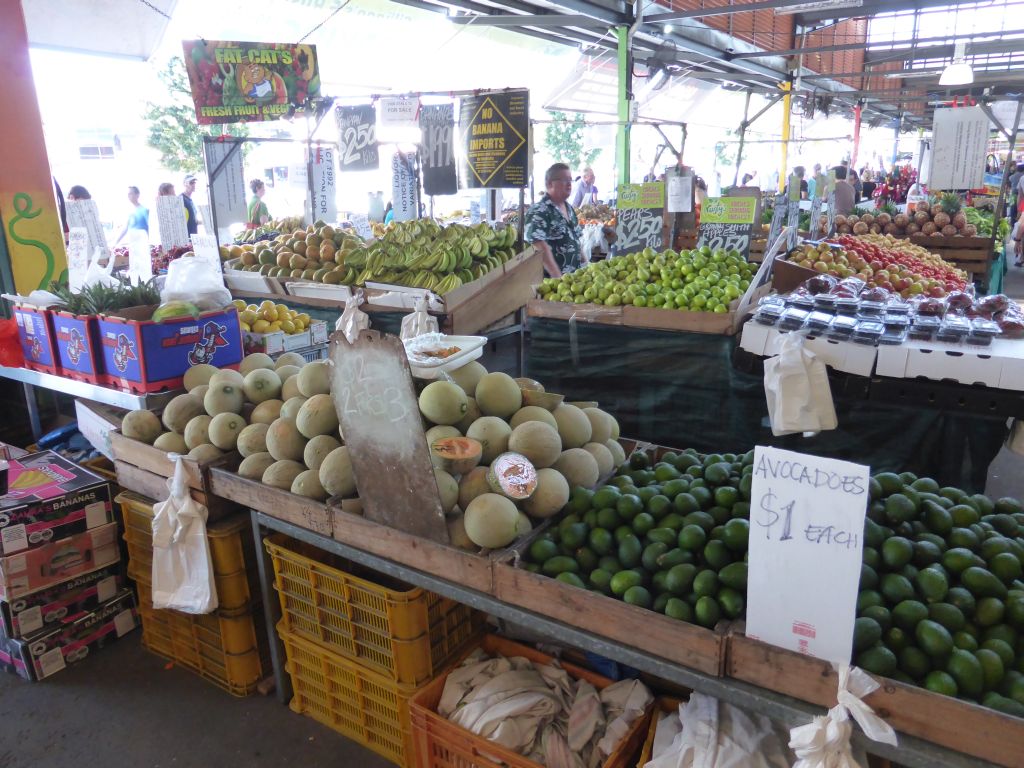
(252, 308)
(266, 304)
(288, 326)
(239, 304)
(282, 309)
(247, 316)
(260, 326)
(245, 327)
(275, 326)
(269, 314)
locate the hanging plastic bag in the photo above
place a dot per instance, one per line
(182, 567)
(97, 274)
(825, 742)
(797, 390)
(353, 320)
(195, 281)
(417, 322)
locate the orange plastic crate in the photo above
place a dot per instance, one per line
(440, 743)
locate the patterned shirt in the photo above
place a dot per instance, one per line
(545, 222)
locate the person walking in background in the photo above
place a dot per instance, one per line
(854, 180)
(78, 192)
(258, 212)
(165, 190)
(552, 226)
(586, 190)
(191, 220)
(844, 193)
(1016, 172)
(138, 218)
(799, 172)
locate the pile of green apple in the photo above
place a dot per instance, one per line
(700, 280)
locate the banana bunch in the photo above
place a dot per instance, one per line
(288, 223)
(266, 232)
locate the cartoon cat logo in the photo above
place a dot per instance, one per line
(36, 348)
(206, 347)
(76, 346)
(123, 352)
(255, 81)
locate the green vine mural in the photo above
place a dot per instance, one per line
(23, 209)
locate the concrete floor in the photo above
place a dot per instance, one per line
(124, 706)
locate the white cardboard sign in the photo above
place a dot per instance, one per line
(325, 205)
(680, 194)
(959, 141)
(806, 543)
(85, 213)
(399, 112)
(170, 219)
(140, 263)
(205, 247)
(78, 257)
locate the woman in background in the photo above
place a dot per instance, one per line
(78, 192)
(258, 212)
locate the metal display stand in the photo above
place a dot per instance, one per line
(911, 752)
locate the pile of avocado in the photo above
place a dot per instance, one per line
(941, 601)
(672, 537)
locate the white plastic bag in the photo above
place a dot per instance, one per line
(195, 280)
(97, 274)
(417, 322)
(825, 742)
(797, 390)
(182, 567)
(353, 320)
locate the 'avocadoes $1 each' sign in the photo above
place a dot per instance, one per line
(727, 223)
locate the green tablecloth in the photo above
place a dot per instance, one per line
(997, 272)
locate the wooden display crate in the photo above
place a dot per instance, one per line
(975, 730)
(971, 254)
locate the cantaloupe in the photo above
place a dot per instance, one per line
(317, 450)
(443, 403)
(223, 398)
(308, 484)
(448, 488)
(143, 426)
(468, 376)
(180, 411)
(617, 451)
(457, 532)
(471, 485)
(227, 376)
(197, 431)
(205, 452)
(546, 400)
(497, 394)
(261, 384)
(253, 439)
(317, 416)
(289, 358)
(551, 496)
(225, 429)
(492, 433)
(197, 375)
(291, 407)
(336, 473)
(491, 520)
(579, 468)
(254, 466)
(532, 413)
(604, 458)
(284, 441)
(285, 372)
(573, 426)
(537, 441)
(512, 475)
(171, 442)
(529, 384)
(456, 455)
(290, 389)
(200, 391)
(439, 432)
(281, 474)
(255, 361)
(600, 425)
(523, 525)
(314, 379)
(615, 427)
(472, 414)
(266, 412)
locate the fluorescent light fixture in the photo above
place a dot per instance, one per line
(959, 72)
(667, 29)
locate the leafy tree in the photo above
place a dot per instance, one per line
(563, 138)
(173, 130)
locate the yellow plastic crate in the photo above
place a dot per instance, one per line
(365, 707)
(405, 633)
(103, 467)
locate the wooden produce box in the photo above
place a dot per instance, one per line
(251, 494)
(975, 730)
(787, 276)
(145, 470)
(971, 254)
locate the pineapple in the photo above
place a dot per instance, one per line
(950, 203)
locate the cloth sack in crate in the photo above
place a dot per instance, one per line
(797, 390)
(182, 566)
(353, 320)
(418, 322)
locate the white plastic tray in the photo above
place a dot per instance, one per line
(470, 348)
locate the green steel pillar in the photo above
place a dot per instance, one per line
(625, 93)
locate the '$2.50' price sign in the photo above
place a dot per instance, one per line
(806, 544)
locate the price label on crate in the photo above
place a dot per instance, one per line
(380, 418)
(805, 549)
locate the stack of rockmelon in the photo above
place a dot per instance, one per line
(278, 415)
(506, 451)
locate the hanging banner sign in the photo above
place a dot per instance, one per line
(405, 189)
(806, 544)
(639, 220)
(357, 138)
(495, 126)
(399, 112)
(959, 141)
(727, 224)
(437, 124)
(170, 219)
(227, 185)
(235, 82)
(85, 213)
(321, 169)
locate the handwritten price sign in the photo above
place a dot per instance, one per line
(638, 228)
(726, 223)
(357, 138)
(806, 543)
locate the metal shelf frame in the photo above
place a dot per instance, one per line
(911, 752)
